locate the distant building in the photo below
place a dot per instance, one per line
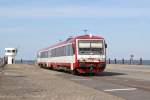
(10, 53)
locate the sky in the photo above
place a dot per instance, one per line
(30, 25)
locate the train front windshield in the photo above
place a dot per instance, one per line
(90, 47)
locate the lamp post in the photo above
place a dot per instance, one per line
(131, 58)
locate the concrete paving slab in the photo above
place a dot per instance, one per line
(27, 82)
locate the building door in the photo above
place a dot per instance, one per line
(12, 61)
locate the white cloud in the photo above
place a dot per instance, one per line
(20, 30)
(73, 12)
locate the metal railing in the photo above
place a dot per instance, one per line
(130, 61)
(2, 62)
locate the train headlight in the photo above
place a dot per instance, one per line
(82, 60)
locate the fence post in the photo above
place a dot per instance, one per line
(115, 61)
(141, 61)
(21, 60)
(123, 61)
(109, 61)
(130, 61)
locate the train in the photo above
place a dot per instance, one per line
(78, 55)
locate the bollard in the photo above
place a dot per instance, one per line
(115, 61)
(141, 61)
(130, 61)
(109, 61)
(21, 61)
(123, 61)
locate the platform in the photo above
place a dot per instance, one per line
(30, 82)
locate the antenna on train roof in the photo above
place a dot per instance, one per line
(85, 31)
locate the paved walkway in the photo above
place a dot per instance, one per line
(27, 82)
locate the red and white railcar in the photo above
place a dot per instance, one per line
(80, 54)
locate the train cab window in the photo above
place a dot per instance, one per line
(90, 47)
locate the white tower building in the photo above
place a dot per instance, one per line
(10, 53)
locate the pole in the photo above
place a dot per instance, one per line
(115, 61)
(123, 61)
(141, 61)
(109, 61)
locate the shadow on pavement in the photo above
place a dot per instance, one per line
(109, 74)
(103, 74)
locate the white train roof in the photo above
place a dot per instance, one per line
(10, 48)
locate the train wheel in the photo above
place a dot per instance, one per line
(41, 65)
(73, 72)
(51, 67)
(102, 69)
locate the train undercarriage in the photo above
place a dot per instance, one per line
(79, 69)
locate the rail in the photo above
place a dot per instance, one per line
(129, 61)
